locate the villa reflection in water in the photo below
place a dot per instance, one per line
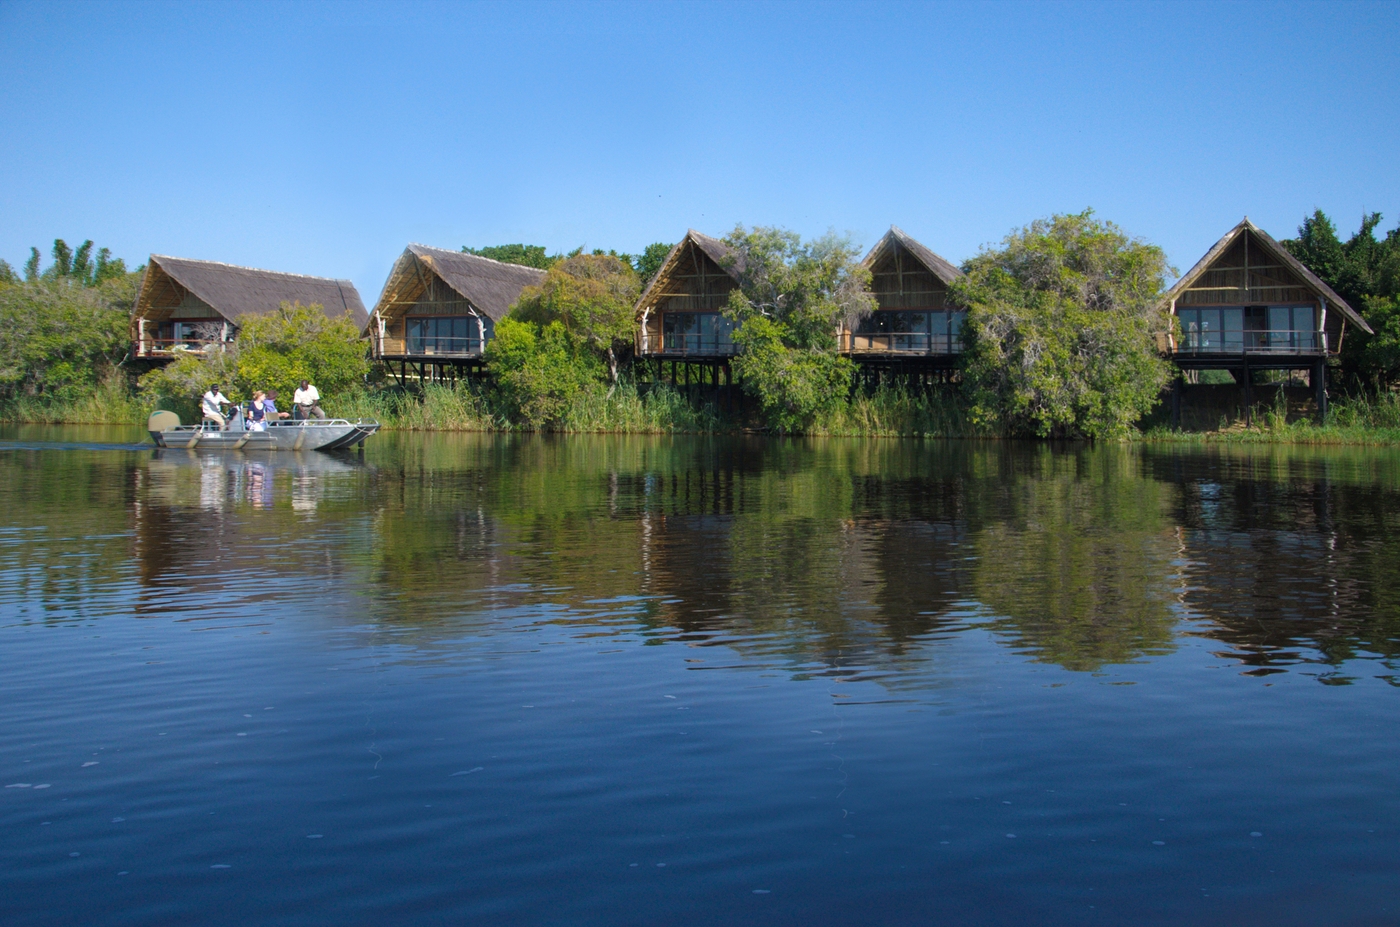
(843, 557)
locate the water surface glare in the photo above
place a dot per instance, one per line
(491, 680)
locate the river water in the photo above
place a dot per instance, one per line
(625, 680)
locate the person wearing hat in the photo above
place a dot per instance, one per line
(211, 405)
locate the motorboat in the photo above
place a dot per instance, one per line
(326, 434)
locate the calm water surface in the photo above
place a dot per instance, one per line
(470, 679)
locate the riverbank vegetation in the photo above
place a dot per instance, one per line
(1061, 341)
(63, 337)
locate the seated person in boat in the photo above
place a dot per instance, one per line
(257, 412)
(306, 402)
(270, 403)
(212, 404)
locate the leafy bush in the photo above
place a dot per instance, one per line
(59, 338)
(591, 296)
(793, 385)
(790, 299)
(540, 369)
(1060, 329)
(276, 350)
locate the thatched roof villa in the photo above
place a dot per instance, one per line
(678, 315)
(1250, 305)
(189, 305)
(440, 305)
(1248, 295)
(914, 317)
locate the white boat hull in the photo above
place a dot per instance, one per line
(313, 435)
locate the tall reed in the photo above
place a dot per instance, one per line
(110, 402)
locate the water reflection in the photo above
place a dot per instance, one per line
(849, 557)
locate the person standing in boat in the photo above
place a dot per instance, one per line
(212, 405)
(306, 402)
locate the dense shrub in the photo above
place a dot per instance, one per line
(276, 350)
(1061, 328)
(540, 369)
(790, 299)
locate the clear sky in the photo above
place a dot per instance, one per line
(322, 138)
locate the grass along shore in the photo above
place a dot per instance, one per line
(663, 409)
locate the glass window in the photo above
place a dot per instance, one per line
(697, 333)
(938, 332)
(445, 335)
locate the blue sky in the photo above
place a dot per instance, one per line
(322, 138)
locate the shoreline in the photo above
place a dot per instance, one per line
(1298, 433)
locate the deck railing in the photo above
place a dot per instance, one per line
(438, 346)
(1253, 342)
(687, 345)
(147, 347)
(925, 343)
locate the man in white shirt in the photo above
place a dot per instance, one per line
(306, 402)
(212, 404)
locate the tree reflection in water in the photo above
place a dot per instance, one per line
(839, 557)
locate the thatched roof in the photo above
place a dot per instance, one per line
(1276, 251)
(491, 287)
(234, 291)
(937, 265)
(713, 248)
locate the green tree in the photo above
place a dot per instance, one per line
(592, 296)
(791, 297)
(8, 277)
(56, 339)
(1060, 329)
(276, 350)
(527, 255)
(280, 349)
(78, 266)
(648, 263)
(1365, 272)
(540, 369)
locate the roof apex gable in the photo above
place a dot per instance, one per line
(942, 268)
(1245, 226)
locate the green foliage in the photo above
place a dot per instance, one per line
(790, 299)
(178, 385)
(1376, 358)
(280, 349)
(591, 296)
(649, 262)
(109, 401)
(527, 255)
(793, 385)
(899, 412)
(78, 267)
(8, 277)
(1060, 329)
(1366, 273)
(540, 369)
(58, 339)
(806, 288)
(276, 350)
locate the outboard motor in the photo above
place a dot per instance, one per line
(161, 421)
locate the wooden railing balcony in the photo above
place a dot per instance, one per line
(673, 345)
(165, 347)
(1252, 342)
(443, 347)
(913, 343)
